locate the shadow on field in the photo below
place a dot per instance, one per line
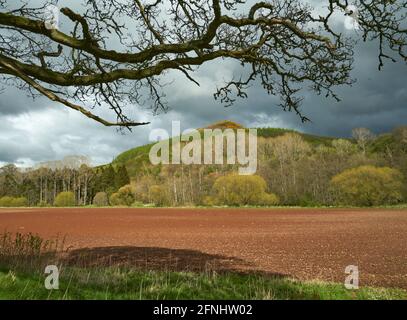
(30, 253)
(152, 258)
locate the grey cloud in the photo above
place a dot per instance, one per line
(54, 133)
(16, 101)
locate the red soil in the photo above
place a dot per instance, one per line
(301, 243)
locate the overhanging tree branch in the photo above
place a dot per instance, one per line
(283, 42)
(52, 96)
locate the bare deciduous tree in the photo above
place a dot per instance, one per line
(362, 136)
(114, 52)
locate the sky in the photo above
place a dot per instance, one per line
(40, 130)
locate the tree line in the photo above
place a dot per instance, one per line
(293, 170)
(41, 187)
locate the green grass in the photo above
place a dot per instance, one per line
(113, 283)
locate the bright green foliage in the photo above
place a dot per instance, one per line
(268, 199)
(238, 190)
(19, 202)
(6, 201)
(65, 199)
(13, 202)
(101, 199)
(123, 197)
(134, 159)
(368, 186)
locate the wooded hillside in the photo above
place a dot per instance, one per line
(293, 169)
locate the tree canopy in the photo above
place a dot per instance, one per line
(369, 186)
(114, 52)
(65, 199)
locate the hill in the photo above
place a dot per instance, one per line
(138, 158)
(295, 166)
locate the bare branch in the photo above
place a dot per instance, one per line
(116, 50)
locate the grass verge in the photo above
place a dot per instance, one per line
(112, 283)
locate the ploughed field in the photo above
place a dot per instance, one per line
(300, 243)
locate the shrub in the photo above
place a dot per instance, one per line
(115, 200)
(123, 197)
(368, 186)
(269, 199)
(6, 201)
(65, 199)
(208, 201)
(101, 199)
(13, 202)
(19, 202)
(237, 190)
(158, 195)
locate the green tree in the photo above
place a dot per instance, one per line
(242, 190)
(10, 183)
(122, 177)
(368, 186)
(65, 199)
(108, 179)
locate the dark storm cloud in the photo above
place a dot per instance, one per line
(15, 101)
(41, 130)
(378, 100)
